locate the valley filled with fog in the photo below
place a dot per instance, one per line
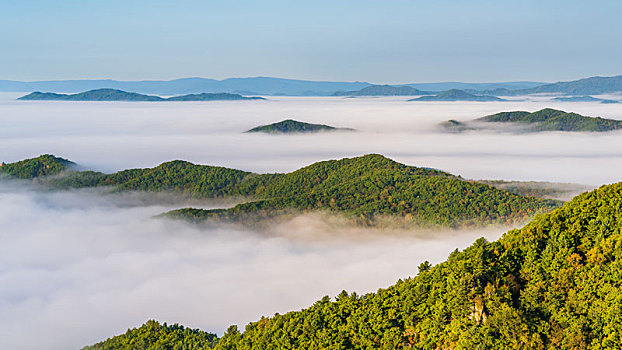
(79, 267)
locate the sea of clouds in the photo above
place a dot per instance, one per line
(77, 267)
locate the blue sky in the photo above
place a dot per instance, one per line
(366, 40)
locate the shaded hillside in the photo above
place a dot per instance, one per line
(384, 90)
(290, 126)
(457, 95)
(44, 165)
(119, 95)
(554, 284)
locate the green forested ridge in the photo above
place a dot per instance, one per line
(549, 119)
(372, 188)
(44, 165)
(367, 190)
(554, 284)
(155, 336)
(294, 126)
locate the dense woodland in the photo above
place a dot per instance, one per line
(42, 166)
(289, 126)
(366, 190)
(549, 119)
(554, 284)
(155, 336)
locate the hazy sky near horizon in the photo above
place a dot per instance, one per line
(367, 40)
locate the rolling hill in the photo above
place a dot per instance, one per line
(290, 126)
(366, 190)
(547, 119)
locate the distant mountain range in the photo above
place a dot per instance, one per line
(292, 87)
(457, 95)
(290, 126)
(581, 87)
(244, 86)
(384, 90)
(120, 95)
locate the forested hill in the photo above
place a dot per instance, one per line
(554, 284)
(120, 95)
(155, 336)
(290, 126)
(44, 165)
(374, 190)
(549, 119)
(366, 190)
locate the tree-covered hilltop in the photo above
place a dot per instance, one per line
(44, 165)
(549, 119)
(180, 177)
(553, 284)
(457, 95)
(92, 95)
(120, 95)
(367, 190)
(384, 90)
(155, 336)
(372, 190)
(293, 126)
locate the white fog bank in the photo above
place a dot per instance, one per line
(76, 269)
(111, 136)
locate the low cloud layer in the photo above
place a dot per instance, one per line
(75, 268)
(110, 136)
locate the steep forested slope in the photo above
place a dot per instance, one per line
(554, 284)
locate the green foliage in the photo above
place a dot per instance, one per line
(554, 120)
(44, 165)
(367, 190)
(293, 126)
(372, 188)
(555, 284)
(155, 336)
